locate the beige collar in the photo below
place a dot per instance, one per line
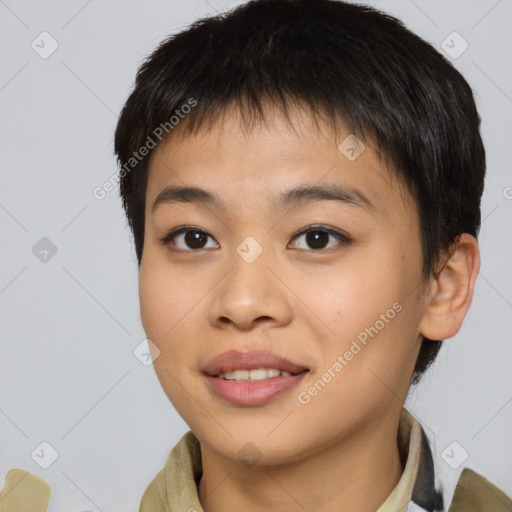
(174, 489)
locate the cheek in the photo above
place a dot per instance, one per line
(171, 312)
(161, 306)
(152, 306)
(352, 298)
(165, 315)
(368, 315)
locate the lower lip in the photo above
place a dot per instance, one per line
(253, 393)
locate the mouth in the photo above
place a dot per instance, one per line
(254, 365)
(256, 375)
(252, 378)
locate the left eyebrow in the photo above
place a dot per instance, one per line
(293, 197)
(323, 192)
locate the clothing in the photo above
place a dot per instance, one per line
(24, 492)
(174, 488)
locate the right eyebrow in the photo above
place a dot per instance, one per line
(179, 194)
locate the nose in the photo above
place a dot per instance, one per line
(250, 295)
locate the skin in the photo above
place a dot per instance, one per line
(339, 451)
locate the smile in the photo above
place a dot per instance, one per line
(252, 392)
(253, 375)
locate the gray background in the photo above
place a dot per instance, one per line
(70, 324)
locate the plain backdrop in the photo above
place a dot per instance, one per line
(69, 376)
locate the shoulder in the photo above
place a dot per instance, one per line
(24, 492)
(155, 496)
(174, 487)
(474, 493)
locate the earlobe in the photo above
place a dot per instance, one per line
(451, 290)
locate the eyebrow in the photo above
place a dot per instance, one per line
(294, 197)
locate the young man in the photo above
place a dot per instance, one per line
(303, 181)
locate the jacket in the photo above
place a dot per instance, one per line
(174, 488)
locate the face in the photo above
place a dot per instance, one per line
(330, 283)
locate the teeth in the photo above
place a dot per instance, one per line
(241, 374)
(253, 375)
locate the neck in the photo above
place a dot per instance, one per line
(353, 474)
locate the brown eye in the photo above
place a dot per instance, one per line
(317, 238)
(187, 239)
(195, 239)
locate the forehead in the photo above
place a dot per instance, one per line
(233, 164)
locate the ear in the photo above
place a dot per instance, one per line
(451, 290)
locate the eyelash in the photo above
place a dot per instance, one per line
(344, 239)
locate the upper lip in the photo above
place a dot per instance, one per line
(234, 360)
